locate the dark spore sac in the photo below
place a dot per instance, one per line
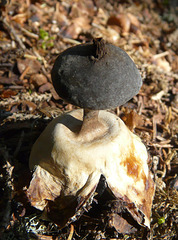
(96, 75)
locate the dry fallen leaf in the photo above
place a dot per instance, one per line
(33, 65)
(45, 87)
(121, 20)
(38, 79)
(8, 93)
(132, 120)
(77, 26)
(127, 22)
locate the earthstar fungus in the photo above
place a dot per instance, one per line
(79, 147)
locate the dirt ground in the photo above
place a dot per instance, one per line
(32, 34)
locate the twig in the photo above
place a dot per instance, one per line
(158, 95)
(43, 68)
(71, 232)
(6, 65)
(29, 34)
(144, 129)
(154, 128)
(12, 30)
(24, 73)
(40, 57)
(159, 55)
(30, 56)
(16, 87)
(175, 109)
(69, 40)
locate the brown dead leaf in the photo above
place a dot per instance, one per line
(121, 20)
(120, 224)
(54, 94)
(45, 87)
(34, 65)
(23, 106)
(134, 20)
(77, 26)
(38, 79)
(14, 108)
(30, 106)
(132, 119)
(8, 93)
(127, 22)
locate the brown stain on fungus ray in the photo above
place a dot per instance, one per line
(133, 168)
(143, 176)
(148, 196)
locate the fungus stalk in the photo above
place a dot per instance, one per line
(92, 127)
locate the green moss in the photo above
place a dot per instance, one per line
(161, 220)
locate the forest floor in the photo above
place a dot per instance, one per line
(32, 34)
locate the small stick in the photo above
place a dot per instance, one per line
(12, 30)
(29, 34)
(24, 73)
(71, 232)
(154, 128)
(159, 55)
(69, 40)
(30, 56)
